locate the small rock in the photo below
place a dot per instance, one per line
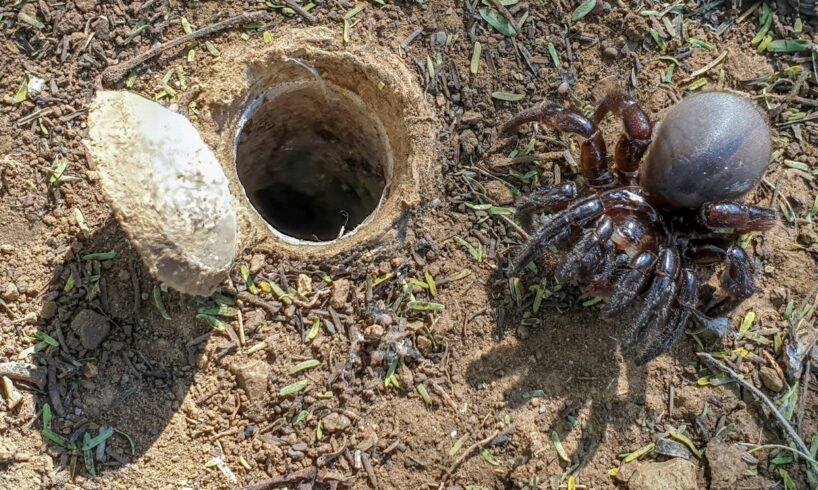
(610, 52)
(726, 464)
(335, 422)
(770, 378)
(469, 142)
(626, 471)
(340, 293)
(85, 6)
(252, 378)
(10, 292)
(674, 474)
(471, 117)
(296, 455)
(368, 442)
(374, 331)
(425, 345)
(91, 327)
(253, 319)
(90, 370)
(6, 249)
(256, 263)
(499, 192)
(49, 310)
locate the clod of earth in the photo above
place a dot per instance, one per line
(770, 379)
(336, 422)
(725, 463)
(166, 188)
(91, 327)
(252, 378)
(674, 474)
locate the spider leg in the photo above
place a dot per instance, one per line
(583, 259)
(637, 135)
(659, 298)
(549, 199)
(687, 299)
(630, 283)
(556, 229)
(593, 155)
(737, 218)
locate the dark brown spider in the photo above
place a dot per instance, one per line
(642, 227)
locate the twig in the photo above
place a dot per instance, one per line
(446, 397)
(242, 338)
(312, 474)
(300, 11)
(271, 308)
(369, 471)
(706, 68)
(466, 454)
(802, 401)
(306, 474)
(54, 389)
(22, 371)
(113, 74)
(793, 435)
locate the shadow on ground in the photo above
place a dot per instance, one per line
(587, 391)
(119, 363)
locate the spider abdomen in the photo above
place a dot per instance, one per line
(710, 147)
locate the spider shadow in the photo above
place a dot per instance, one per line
(567, 356)
(119, 363)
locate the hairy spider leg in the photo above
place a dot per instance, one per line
(583, 260)
(593, 155)
(635, 139)
(688, 299)
(659, 298)
(557, 228)
(549, 199)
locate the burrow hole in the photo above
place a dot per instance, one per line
(314, 161)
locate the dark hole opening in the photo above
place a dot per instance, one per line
(313, 161)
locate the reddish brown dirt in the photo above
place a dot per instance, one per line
(186, 397)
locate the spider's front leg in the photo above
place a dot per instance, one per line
(737, 278)
(593, 156)
(586, 256)
(556, 228)
(549, 199)
(637, 136)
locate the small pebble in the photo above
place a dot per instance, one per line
(770, 379)
(10, 292)
(335, 422)
(610, 52)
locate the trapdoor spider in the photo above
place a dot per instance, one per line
(645, 223)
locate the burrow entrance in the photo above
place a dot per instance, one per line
(329, 145)
(314, 161)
